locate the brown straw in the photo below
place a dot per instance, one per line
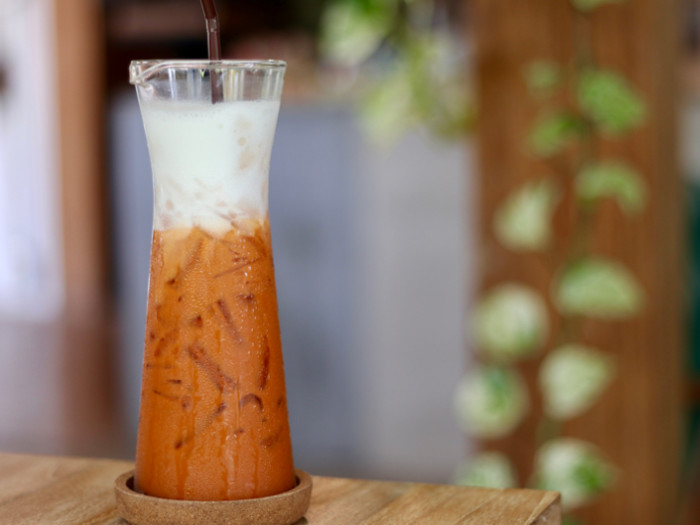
(211, 18)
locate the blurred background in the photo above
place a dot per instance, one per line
(399, 135)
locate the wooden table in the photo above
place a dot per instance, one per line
(55, 490)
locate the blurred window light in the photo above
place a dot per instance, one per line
(31, 257)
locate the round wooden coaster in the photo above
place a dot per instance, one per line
(281, 509)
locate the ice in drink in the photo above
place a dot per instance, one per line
(213, 420)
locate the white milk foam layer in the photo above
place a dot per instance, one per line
(210, 161)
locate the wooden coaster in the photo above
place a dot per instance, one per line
(281, 509)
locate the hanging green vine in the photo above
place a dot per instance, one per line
(600, 103)
(416, 81)
(406, 63)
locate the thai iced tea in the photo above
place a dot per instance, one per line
(213, 421)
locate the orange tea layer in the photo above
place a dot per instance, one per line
(213, 422)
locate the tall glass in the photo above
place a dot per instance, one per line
(213, 420)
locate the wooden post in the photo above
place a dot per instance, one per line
(87, 343)
(637, 422)
(80, 95)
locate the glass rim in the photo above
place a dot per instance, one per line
(140, 70)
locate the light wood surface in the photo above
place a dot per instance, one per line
(637, 422)
(54, 490)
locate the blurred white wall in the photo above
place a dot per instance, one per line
(31, 258)
(416, 261)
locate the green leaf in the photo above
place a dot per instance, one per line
(572, 377)
(523, 221)
(613, 179)
(609, 101)
(351, 31)
(553, 132)
(598, 288)
(387, 109)
(486, 469)
(420, 86)
(490, 401)
(439, 85)
(575, 468)
(543, 78)
(589, 5)
(510, 323)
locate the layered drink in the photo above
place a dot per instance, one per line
(213, 420)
